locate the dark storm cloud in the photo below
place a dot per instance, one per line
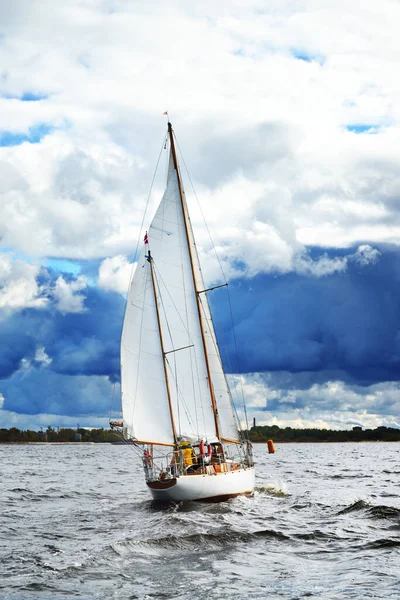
(15, 344)
(347, 322)
(78, 344)
(47, 392)
(299, 330)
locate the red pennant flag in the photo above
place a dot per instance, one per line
(146, 239)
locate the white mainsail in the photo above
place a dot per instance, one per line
(145, 403)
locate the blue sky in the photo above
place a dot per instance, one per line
(288, 122)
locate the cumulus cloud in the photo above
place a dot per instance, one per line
(282, 174)
(115, 274)
(333, 404)
(42, 357)
(67, 296)
(18, 285)
(321, 267)
(366, 255)
(35, 422)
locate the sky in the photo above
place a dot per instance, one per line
(287, 115)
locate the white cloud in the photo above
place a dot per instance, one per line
(321, 267)
(366, 255)
(115, 274)
(263, 132)
(67, 296)
(18, 286)
(332, 405)
(41, 356)
(252, 389)
(10, 419)
(1, 400)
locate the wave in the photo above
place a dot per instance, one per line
(374, 512)
(354, 476)
(383, 543)
(315, 535)
(52, 494)
(384, 512)
(196, 541)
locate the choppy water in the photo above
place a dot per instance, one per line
(77, 522)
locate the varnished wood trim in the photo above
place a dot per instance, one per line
(161, 485)
(153, 443)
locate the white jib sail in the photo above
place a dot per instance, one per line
(144, 391)
(144, 394)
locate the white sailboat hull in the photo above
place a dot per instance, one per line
(211, 488)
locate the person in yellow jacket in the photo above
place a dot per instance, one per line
(185, 457)
(189, 457)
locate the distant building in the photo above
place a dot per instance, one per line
(357, 428)
(254, 422)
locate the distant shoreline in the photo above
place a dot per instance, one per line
(258, 443)
(52, 443)
(258, 434)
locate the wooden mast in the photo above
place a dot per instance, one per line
(150, 260)
(185, 220)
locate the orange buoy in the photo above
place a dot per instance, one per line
(271, 447)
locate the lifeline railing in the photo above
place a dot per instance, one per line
(173, 463)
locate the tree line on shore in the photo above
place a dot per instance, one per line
(256, 434)
(59, 434)
(357, 434)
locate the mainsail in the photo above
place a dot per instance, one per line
(163, 334)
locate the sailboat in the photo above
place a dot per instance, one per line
(176, 403)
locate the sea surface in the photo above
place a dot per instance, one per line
(77, 522)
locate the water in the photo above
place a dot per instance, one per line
(77, 522)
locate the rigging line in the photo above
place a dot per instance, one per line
(172, 300)
(215, 342)
(112, 402)
(216, 346)
(192, 256)
(178, 408)
(210, 325)
(238, 363)
(201, 212)
(159, 276)
(146, 276)
(160, 296)
(181, 396)
(144, 216)
(151, 188)
(179, 212)
(223, 274)
(179, 393)
(133, 271)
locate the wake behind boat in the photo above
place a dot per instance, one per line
(176, 402)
